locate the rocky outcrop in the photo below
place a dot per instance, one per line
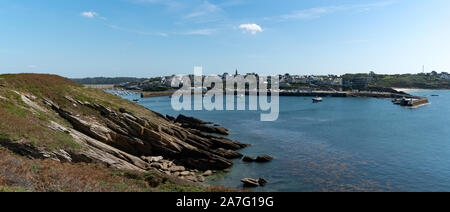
(259, 159)
(33, 152)
(264, 159)
(170, 168)
(248, 159)
(262, 182)
(249, 182)
(122, 139)
(193, 123)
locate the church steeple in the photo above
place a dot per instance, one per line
(237, 73)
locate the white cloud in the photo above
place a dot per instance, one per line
(252, 28)
(89, 14)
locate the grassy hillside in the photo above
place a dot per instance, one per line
(422, 81)
(26, 134)
(23, 123)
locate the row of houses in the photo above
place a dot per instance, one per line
(286, 80)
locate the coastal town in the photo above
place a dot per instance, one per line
(354, 82)
(287, 81)
(348, 85)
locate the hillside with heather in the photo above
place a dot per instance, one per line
(57, 135)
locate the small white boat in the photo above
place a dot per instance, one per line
(397, 101)
(317, 99)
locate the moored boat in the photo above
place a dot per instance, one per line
(317, 99)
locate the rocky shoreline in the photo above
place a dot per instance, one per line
(184, 147)
(69, 124)
(168, 167)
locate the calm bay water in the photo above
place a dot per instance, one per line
(342, 144)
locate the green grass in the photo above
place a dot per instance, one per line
(405, 81)
(12, 189)
(16, 110)
(44, 117)
(4, 136)
(9, 136)
(64, 141)
(180, 188)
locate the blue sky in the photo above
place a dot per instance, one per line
(145, 38)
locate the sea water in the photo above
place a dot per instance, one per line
(341, 144)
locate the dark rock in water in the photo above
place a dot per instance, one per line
(216, 125)
(263, 159)
(259, 159)
(190, 120)
(207, 129)
(249, 182)
(249, 159)
(193, 123)
(228, 154)
(262, 182)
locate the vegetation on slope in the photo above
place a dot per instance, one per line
(25, 120)
(107, 80)
(423, 81)
(18, 174)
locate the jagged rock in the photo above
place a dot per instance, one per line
(208, 129)
(185, 173)
(262, 182)
(146, 159)
(156, 159)
(264, 158)
(191, 178)
(228, 154)
(249, 182)
(201, 179)
(190, 120)
(157, 166)
(193, 123)
(207, 173)
(152, 159)
(170, 118)
(177, 169)
(126, 134)
(165, 165)
(248, 159)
